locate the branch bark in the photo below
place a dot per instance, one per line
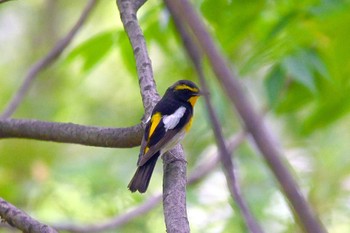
(174, 191)
(174, 182)
(46, 61)
(19, 219)
(71, 133)
(252, 121)
(128, 10)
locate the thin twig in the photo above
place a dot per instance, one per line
(228, 164)
(71, 133)
(45, 62)
(226, 160)
(201, 170)
(20, 220)
(252, 121)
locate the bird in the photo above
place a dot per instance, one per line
(170, 119)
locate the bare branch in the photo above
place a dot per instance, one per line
(174, 191)
(17, 218)
(226, 160)
(45, 62)
(199, 172)
(71, 133)
(138, 4)
(174, 182)
(228, 165)
(252, 121)
(128, 10)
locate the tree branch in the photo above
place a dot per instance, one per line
(17, 218)
(174, 182)
(252, 121)
(174, 191)
(128, 10)
(138, 4)
(228, 165)
(45, 62)
(71, 133)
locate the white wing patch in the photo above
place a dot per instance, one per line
(171, 121)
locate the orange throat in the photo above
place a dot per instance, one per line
(193, 100)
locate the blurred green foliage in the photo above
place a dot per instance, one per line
(292, 57)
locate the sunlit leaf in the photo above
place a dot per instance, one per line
(93, 50)
(127, 54)
(281, 25)
(318, 65)
(296, 98)
(327, 112)
(274, 84)
(298, 69)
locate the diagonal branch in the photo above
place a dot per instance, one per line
(228, 164)
(19, 219)
(45, 62)
(252, 121)
(71, 133)
(226, 160)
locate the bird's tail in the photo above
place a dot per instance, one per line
(143, 175)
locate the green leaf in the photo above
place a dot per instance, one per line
(274, 84)
(281, 25)
(304, 65)
(316, 62)
(127, 54)
(296, 98)
(297, 67)
(93, 50)
(327, 112)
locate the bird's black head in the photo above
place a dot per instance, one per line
(184, 90)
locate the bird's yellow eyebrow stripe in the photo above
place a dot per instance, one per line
(185, 87)
(154, 123)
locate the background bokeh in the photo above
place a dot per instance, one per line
(291, 56)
